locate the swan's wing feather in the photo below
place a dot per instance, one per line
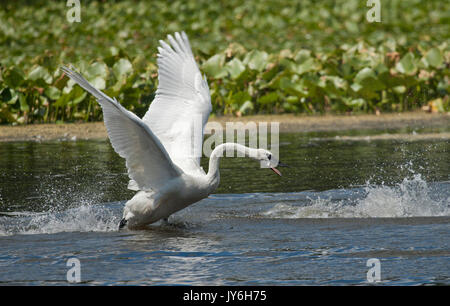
(182, 104)
(148, 163)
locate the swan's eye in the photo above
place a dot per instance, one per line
(269, 156)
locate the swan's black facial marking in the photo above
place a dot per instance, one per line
(269, 157)
(123, 222)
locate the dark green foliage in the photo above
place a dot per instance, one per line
(259, 56)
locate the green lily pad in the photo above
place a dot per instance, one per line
(307, 66)
(24, 107)
(235, 67)
(8, 96)
(214, 66)
(256, 60)
(52, 92)
(99, 69)
(355, 103)
(268, 98)
(363, 74)
(13, 77)
(367, 80)
(241, 97)
(434, 57)
(407, 65)
(40, 73)
(122, 68)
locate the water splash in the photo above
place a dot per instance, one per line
(85, 218)
(62, 208)
(413, 197)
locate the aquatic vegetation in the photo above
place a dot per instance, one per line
(259, 57)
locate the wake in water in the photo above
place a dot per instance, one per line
(413, 197)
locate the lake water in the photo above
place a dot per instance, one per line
(340, 204)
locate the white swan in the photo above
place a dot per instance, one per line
(163, 149)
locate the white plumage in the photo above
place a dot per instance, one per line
(163, 149)
(182, 104)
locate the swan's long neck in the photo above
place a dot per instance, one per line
(220, 151)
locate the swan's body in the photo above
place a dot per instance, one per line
(163, 149)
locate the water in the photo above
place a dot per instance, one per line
(340, 204)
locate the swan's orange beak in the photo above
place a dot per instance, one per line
(280, 164)
(276, 171)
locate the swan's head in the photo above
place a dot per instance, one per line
(268, 160)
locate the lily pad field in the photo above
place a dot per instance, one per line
(260, 57)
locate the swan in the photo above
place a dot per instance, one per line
(158, 148)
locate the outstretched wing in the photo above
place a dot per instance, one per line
(182, 104)
(147, 161)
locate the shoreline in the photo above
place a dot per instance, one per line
(289, 123)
